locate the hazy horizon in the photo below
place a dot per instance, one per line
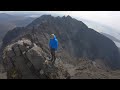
(109, 18)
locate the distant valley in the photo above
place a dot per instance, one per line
(8, 22)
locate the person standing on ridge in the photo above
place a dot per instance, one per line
(53, 45)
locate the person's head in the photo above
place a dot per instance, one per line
(52, 36)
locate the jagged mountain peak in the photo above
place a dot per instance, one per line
(55, 20)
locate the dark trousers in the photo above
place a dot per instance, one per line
(53, 55)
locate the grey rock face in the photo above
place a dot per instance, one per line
(27, 63)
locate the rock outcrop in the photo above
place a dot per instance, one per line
(25, 60)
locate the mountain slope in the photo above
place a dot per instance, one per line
(102, 28)
(111, 37)
(6, 17)
(111, 33)
(115, 40)
(8, 22)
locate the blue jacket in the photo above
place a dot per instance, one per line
(53, 43)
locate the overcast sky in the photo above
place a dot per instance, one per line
(110, 18)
